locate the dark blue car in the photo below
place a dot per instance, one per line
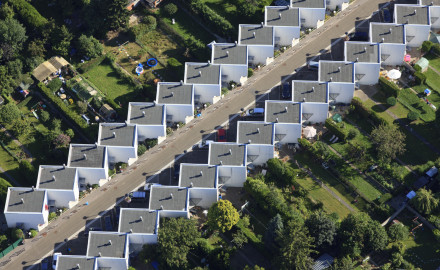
(286, 92)
(386, 16)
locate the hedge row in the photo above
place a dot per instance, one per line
(211, 17)
(83, 68)
(28, 14)
(390, 88)
(60, 105)
(334, 128)
(367, 112)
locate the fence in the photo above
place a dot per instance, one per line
(11, 248)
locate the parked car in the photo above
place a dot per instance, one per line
(54, 260)
(386, 15)
(255, 112)
(221, 135)
(286, 92)
(313, 65)
(45, 264)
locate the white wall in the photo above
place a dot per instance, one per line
(420, 33)
(371, 71)
(333, 3)
(208, 196)
(121, 154)
(260, 54)
(264, 152)
(150, 132)
(142, 239)
(180, 113)
(319, 110)
(61, 197)
(435, 12)
(396, 51)
(29, 220)
(286, 35)
(93, 175)
(207, 92)
(311, 16)
(236, 73)
(237, 175)
(345, 91)
(292, 132)
(112, 263)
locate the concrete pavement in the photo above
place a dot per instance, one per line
(152, 162)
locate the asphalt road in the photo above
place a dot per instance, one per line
(152, 162)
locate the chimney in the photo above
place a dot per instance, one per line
(99, 254)
(131, 230)
(209, 62)
(221, 162)
(191, 184)
(415, 11)
(262, 24)
(383, 40)
(200, 73)
(64, 166)
(304, 99)
(54, 178)
(236, 43)
(357, 59)
(249, 141)
(22, 200)
(258, 130)
(110, 242)
(172, 94)
(161, 207)
(339, 69)
(143, 113)
(253, 33)
(285, 109)
(365, 49)
(276, 120)
(181, 82)
(85, 156)
(230, 151)
(331, 79)
(171, 195)
(391, 30)
(141, 218)
(313, 89)
(227, 53)
(114, 134)
(96, 144)
(77, 266)
(201, 173)
(279, 14)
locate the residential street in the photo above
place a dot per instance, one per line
(153, 161)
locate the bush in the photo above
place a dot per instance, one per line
(413, 116)
(352, 133)
(33, 233)
(366, 112)
(170, 9)
(334, 128)
(44, 116)
(150, 143)
(17, 234)
(52, 216)
(391, 101)
(436, 233)
(174, 63)
(417, 68)
(390, 88)
(210, 17)
(250, 72)
(384, 198)
(436, 49)
(426, 46)
(141, 149)
(420, 77)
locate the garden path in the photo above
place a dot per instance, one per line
(325, 187)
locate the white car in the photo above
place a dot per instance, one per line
(54, 260)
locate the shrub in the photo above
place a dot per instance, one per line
(150, 143)
(250, 72)
(52, 216)
(352, 133)
(436, 233)
(417, 68)
(33, 233)
(413, 116)
(174, 63)
(44, 116)
(170, 9)
(391, 101)
(366, 112)
(390, 88)
(420, 77)
(384, 198)
(334, 128)
(436, 49)
(17, 234)
(141, 149)
(426, 46)
(211, 17)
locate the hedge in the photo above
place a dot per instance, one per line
(28, 14)
(367, 112)
(390, 88)
(211, 17)
(84, 67)
(436, 49)
(420, 77)
(24, 102)
(60, 105)
(334, 128)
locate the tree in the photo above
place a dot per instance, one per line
(426, 46)
(176, 237)
(15, 68)
(389, 141)
(398, 232)
(17, 234)
(356, 151)
(296, 248)
(141, 149)
(9, 113)
(413, 116)
(150, 22)
(239, 239)
(55, 125)
(424, 201)
(44, 116)
(321, 228)
(255, 267)
(89, 46)
(274, 232)
(170, 9)
(4, 243)
(36, 48)
(60, 40)
(6, 11)
(248, 8)
(12, 33)
(222, 215)
(61, 141)
(391, 101)
(4, 189)
(117, 15)
(70, 133)
(6, 81)
(352, 133)
(21, 127)
(82, 107)
(344, 263)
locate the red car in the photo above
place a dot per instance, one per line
(221, 135)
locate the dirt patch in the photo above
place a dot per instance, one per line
(366, 92)
(234, 195)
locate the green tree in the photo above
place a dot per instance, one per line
(247, 8)
(222, 215)
(15, 68)
(117, 15)
(398, 232)
(28, 171)
(352, 133)
(389, 141)
(141, 149)
(9, 113)
(274, 232)
(89, 46)
(4, 243)
(82, 107)
(413, 116)
(176, 237)
(21, 127)
(170, 9)
(239, 239)
(255, 267)
(70, 133)
(425, 202)
(36, 48)
(55, 125)
(344, 263)
(426, 46)
(61, 141)
(12, 33)
(391, 101)
(321, 228)
(150, 22)
(17, 234)
(296, 248)
(6, 81)
(60, 40)
(44, 116)
(4, 189)
(6, 11)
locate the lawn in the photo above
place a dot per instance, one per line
(111, 84)
(421, 250)
(434, 61)
(319, 194)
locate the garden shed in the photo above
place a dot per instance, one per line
(49, 67)
(423, 63)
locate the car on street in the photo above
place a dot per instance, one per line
(221, 135)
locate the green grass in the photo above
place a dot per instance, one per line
(319, 194)
(434, 61)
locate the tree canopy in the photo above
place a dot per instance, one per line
(222, 215)
(274, 232)
(389, 140)
(9, 113)
(398, 232)
(12, 33)
(425, 202)
(89, 46)
(322, 228)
